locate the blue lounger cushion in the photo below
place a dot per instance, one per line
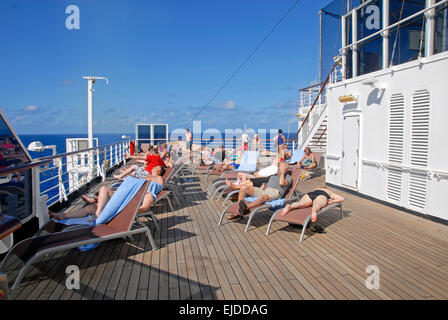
(120, 199)
(249, 161)
(296, 156)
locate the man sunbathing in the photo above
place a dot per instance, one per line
(150, 161)
(105, 193)
(263, 173)
(276, 188)
(318, 199)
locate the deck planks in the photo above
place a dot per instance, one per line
(199, 260)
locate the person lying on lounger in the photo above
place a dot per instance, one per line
(317, 199)
(276, 188)
(263, 173)
(105, 193)
(150, 161)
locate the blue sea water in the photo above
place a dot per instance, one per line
(59, 141)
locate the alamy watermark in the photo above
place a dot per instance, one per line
(373, 280)
(73, 21)
(72, 281)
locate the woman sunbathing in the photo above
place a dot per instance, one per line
(96, 205)
(318, 199)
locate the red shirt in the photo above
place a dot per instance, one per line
(154, 160)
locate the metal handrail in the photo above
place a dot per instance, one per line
(314, 104)
(45, 160)
(356, 43)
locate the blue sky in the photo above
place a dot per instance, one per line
(164, 60)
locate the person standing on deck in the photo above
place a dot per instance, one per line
(245, 141)
(189, 142)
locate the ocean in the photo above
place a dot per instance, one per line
(59, 141)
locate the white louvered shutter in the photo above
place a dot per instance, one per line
(419, 148)
(396, 138)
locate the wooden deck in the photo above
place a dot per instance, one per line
(199, 260)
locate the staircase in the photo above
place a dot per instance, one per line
(313, 102)
(318, 141)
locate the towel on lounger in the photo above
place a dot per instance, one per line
(275, 205)
(296, 156)
(120, 199)
(249, 161)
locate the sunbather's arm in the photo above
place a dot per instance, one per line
(139, 157)
(335, 198)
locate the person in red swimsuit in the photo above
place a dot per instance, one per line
(150, 161)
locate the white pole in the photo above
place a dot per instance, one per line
(89, 111)
(429, 29)
(385, 34)
(90, 81)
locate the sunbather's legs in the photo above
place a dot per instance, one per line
(243, 176)
(125, 173)
(258, 202)
(244, 192)
(147, 203)
(318, 203)
(90, 200)
(84, 212)
(104, 195)
(305, 202)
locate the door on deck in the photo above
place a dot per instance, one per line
(350, 152)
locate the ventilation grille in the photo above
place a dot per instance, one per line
(419, 148)
(396, 128)
(420, 128)
(396, 137)
(417, 190)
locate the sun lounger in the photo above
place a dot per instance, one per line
(248, 164)
(301, 216)
(296, 157)
(289, 198)
(123, 224)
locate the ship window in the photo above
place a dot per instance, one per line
(370, 55)
(409, 8)
(160, 133)
(441, 28)
(349, 52)
(405, 40)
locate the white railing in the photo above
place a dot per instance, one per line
(307, 98)
(70, 171)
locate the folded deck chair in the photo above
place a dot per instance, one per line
(289, 198)
(123, 223)
(301, 216)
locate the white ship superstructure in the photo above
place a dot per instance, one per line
(383, 108)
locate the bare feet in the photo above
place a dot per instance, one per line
(313, 215)
(89, 200)
(228, 183)
(285, 210)
(57, 215)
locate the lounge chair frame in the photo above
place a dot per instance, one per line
(308, 218)
(132, 230)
